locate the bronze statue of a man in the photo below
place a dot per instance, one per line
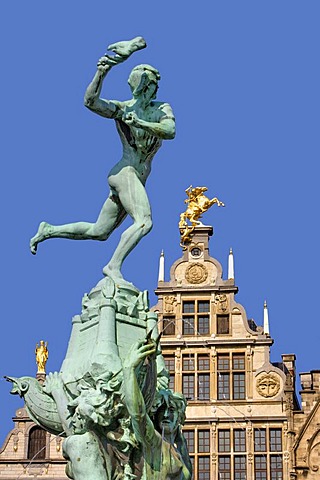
(142, 124)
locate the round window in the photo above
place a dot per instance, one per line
(196, 252)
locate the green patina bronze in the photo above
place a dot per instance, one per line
(142, 124)
(110, 399)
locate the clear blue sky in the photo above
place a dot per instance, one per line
(243, 79)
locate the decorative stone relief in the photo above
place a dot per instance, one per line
(222, 303)
(170, 304)
(196, 273)
(58, 444)
(314, 452)
(286, 456)
(268, 384)
(178, 360)
(15, 440)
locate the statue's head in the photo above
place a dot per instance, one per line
(144, 80)
(169, 411)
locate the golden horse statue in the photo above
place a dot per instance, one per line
(198, 203)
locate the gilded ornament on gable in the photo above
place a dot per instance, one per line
(196, 273)
(197, 204)
(268, 384)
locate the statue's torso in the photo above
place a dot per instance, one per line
(139, 145)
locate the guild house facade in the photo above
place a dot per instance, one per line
(244, 420)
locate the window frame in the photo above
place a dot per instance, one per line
(192, 317)
(231, 382)
(196, 453)
(202, 389)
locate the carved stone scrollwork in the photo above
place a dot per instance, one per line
(289, 404)
(268, 384)
(314, 452)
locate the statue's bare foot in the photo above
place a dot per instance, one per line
(113, 273)
(118, 279)
(42, 234)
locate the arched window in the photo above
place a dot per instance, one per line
(37, 444)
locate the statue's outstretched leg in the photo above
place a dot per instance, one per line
(110, 217)
(134, 199)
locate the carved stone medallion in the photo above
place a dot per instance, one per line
(268, 384)
(196, 273)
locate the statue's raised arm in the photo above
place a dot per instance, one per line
(162, 442)
(122, 50)
(142, 124)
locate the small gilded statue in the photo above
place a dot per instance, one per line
(42, 356)
(197, 203)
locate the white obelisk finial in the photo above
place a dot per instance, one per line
(265, 319)
(161, 267)
(231, 265)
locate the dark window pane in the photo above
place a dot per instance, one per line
(260, 440)
(223, 386)
(238, 362)
(189, 436)
(172, 381)
(204, 468)
(223, 324)
(188, 386)
(192, 463)
(168, 326)
(204, 441)
(275, 439)
(188, 362)
(224, 441)
(188, 326)
(170, 366)
(260, 467)
(204, 386)
(239, 440)
(188, 307)
(203, 325)
(203, 306)
(170, 363)
(240, 467)
(224, 468)
(276, 467)
(223, 362)
(203, 362)
(239, 386)
(37, 444)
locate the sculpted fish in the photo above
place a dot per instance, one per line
(40, 406)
